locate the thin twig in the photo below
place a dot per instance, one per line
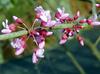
(93, 48)
(94, 7)
(97, 41)
(74, 61)
(13, 35)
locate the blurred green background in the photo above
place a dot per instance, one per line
(70, 58)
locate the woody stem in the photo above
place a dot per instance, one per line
(25, 32)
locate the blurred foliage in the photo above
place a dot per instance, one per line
(58, 59)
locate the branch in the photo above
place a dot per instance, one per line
(93, 7)
(24, 32)
(93, 48)
(13, 35)
(74, 60)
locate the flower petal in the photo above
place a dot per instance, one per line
(82, 42)
(50, 23)
(62, 41)
(41, 44)
(39, 9)
(95, 23)
(43, 18)
(97, 5)
(13, 45)
(34, 58)
(49, 33)
(78, 13)
(39, 53)
(6, 31)
(15, 18)
(19, 51)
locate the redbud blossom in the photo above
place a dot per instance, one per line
(89, 21)
(93, 21)
(77, 15)
(68, 31)
(19, 44)
(98, 5)
(61, 15)
(44, 17)
(40, 38)
(8, 28)
(34, 58)
(38, 53)
(81, 40)
(63, 39)
(82, 21)
(77, 28)
(17, 20)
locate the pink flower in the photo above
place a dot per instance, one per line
(89, 21)
(17, 20)
(19, 45)
(45, 33)
(49, 23)
(40, 41)
(82, 21)
(81, 40)
(41, 44)
(67, 32)
(93, 21)
(38, 53)
(98, 5)
(40, 35)
(44, 17)
(96, 23)
(39, 9)
(77, 15)
(8, 28)
(64, 38)
(77, 28)
(34, 58)
(60, 14)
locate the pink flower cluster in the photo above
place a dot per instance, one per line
(40, 33)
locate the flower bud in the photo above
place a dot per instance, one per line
(17, 20)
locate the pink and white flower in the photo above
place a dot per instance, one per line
(34, 58)
(77, 15)
(93, 21)
(44, 17)
(82, 21)
(39, 9)
(60, 14)
(38, 53)
(77, 28)
(17, 20)
(19, 44)
(98, 5)
(40, 36)
(67, 32)
(63, 39)
(40, 41)
(8, 28)
(81, 40)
